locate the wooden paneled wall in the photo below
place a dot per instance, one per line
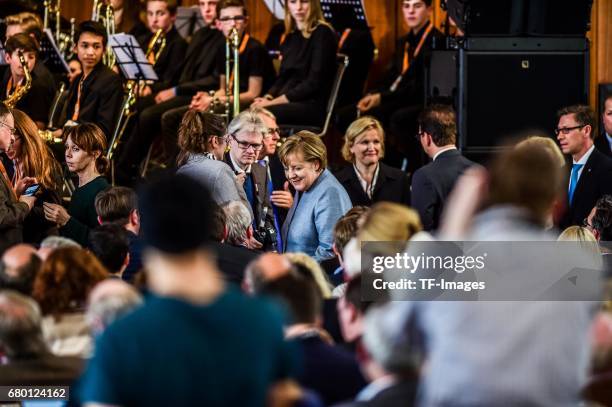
(385, 18)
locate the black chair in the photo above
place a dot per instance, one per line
(289, 129)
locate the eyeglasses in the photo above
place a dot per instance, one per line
(245, 146)
(237, 19)
(566, 130)
(273, 130)
(11, 130)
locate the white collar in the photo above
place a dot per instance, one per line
(583, 160)
(237, 167)
(444, 149)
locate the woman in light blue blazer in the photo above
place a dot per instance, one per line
(319, 200)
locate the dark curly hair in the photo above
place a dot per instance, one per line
(65, 280)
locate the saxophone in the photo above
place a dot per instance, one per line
(156, 45)
(21, 91)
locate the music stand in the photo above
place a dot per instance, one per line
(188, 21)
(342, 14)
(50, 54)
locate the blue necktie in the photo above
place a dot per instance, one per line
(574, 181)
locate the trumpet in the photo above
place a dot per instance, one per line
(105, 14)
(20, 91)
(232, 45)
(156, 45)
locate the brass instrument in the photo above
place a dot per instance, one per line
(64, 41)
(105, 14)
(21, 91)
(156, 45)
(126, 112)
(232, 45)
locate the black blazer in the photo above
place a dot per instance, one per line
(232, 260)
(432, 183)
(168, 66)
(594, 182)
(101, 98)
(393, 185)
(601, 143)
(199, 68)
(401, 394)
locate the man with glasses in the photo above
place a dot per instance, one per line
(245, 138)
(14, 206)
(591, 171)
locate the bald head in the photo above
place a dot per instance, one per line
(267, 267)
(109, 300)
(18, 268)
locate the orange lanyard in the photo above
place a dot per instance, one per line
(343, 38)
(243, 45)
(77, 105)
(407, 59)
(9, 87)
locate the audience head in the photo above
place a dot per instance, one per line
(201, 133)
(74, 69)
(108, 301)
(599, 221)
(351, 310)
(272, 134)
(389, 222)
(607, 115)
(51, 243)
(575, 130)
(237, 222)
(245, 137)
(7, 127)
(111, 246)
(364, 142)
(303, 15)
(346, 228)
(308, 267)
(416, 13)
(218, 229)
(28, 46)
(26, 22)
(208, 9)
(512, 181)
(577, 234)
(268, 266)
(85, 147)
(20, 326)
(90, 41)
(161, 14)
(18, 268)
(304, 157)
(118, 205)
(32, 153)
(231, 14)
(65, 280)
(174, 213)
(437, 128)
(548, 144)
(300, 296)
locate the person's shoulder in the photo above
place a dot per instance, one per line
(392, 172)
(324, 30)
(344, 173)
(600, 160)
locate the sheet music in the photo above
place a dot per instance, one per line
(50, 54)
(131, 58)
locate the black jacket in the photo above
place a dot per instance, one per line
(199, 68)
(168, 65)
(392, 185)
(232, 260)
(601, 143)
(432, 184)
(101, 98)
(595, 181)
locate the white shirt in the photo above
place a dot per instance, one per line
(238, 167)
(368, 189)
(445, 149)
(583, 160)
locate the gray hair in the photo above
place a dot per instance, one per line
(238, 220)
(108, 303)
(389, 341)
(264, 111)
(247, 121)
(58, 242)
(20, 325)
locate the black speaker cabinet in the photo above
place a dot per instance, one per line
(511, 85)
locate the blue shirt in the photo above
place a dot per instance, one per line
(173, 353)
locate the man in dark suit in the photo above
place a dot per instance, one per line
(604, 142)
(95, 95)
(198, 74)
(432, 183)
(591, 171)
(245, 133)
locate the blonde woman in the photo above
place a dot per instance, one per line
(308, 49)
(368, 180)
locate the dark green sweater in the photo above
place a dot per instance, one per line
(82, 211)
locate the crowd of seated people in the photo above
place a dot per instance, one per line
(238, 275)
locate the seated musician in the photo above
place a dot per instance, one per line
(26, 22)
(397, 102)
(95, 95)
(256, 72)
(198, 72)
(161, 14)
(37, 100)
(299, 95)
